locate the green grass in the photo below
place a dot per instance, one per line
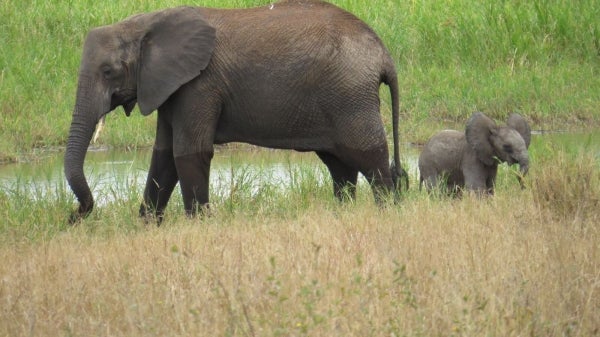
(541, 58)
(563, 179)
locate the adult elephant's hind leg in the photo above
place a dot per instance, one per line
(381, 182)
(344, 177)
(373, 165)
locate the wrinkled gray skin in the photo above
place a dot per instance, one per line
(300, 75)
(469, 160)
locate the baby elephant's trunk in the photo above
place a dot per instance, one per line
(523, 168)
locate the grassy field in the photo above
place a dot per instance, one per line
(540, 58)
(291, 261)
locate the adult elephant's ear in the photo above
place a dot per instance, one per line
(176, 47)
(519, 123)
(478, 132)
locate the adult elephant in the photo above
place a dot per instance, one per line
(300, 75)
(456, 160)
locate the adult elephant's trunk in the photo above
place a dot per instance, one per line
(85, 117)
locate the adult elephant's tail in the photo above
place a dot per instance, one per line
(390, 78)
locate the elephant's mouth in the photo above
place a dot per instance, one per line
(127, 98)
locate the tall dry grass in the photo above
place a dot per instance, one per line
(569, 187)
(502, 266)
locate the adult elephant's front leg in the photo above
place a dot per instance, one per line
(194, 173)
(195, 112)
(162, 178)
(162, 175)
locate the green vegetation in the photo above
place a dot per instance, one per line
(541, 58)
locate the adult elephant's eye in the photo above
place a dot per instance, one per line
(106, 72)
(508, 148)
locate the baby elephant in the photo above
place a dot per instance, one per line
(470, 160)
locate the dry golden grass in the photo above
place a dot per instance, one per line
(522, 263)
(503, 266)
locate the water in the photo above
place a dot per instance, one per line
(116, 174)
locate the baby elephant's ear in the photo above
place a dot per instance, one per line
(478, 131)
(519, 123)
(176, 47)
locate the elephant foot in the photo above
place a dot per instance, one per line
(153, 219)
(399, 177)
(82, 212)
(151, 216)
(74, 218)
(199, 210)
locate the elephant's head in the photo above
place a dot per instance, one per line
(492, 142)
(142, 60)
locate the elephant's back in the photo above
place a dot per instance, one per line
(295, 33)
(295, 71)
(446, 137)
(442, 152)
(284, 15)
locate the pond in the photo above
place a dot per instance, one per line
(112, 173)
